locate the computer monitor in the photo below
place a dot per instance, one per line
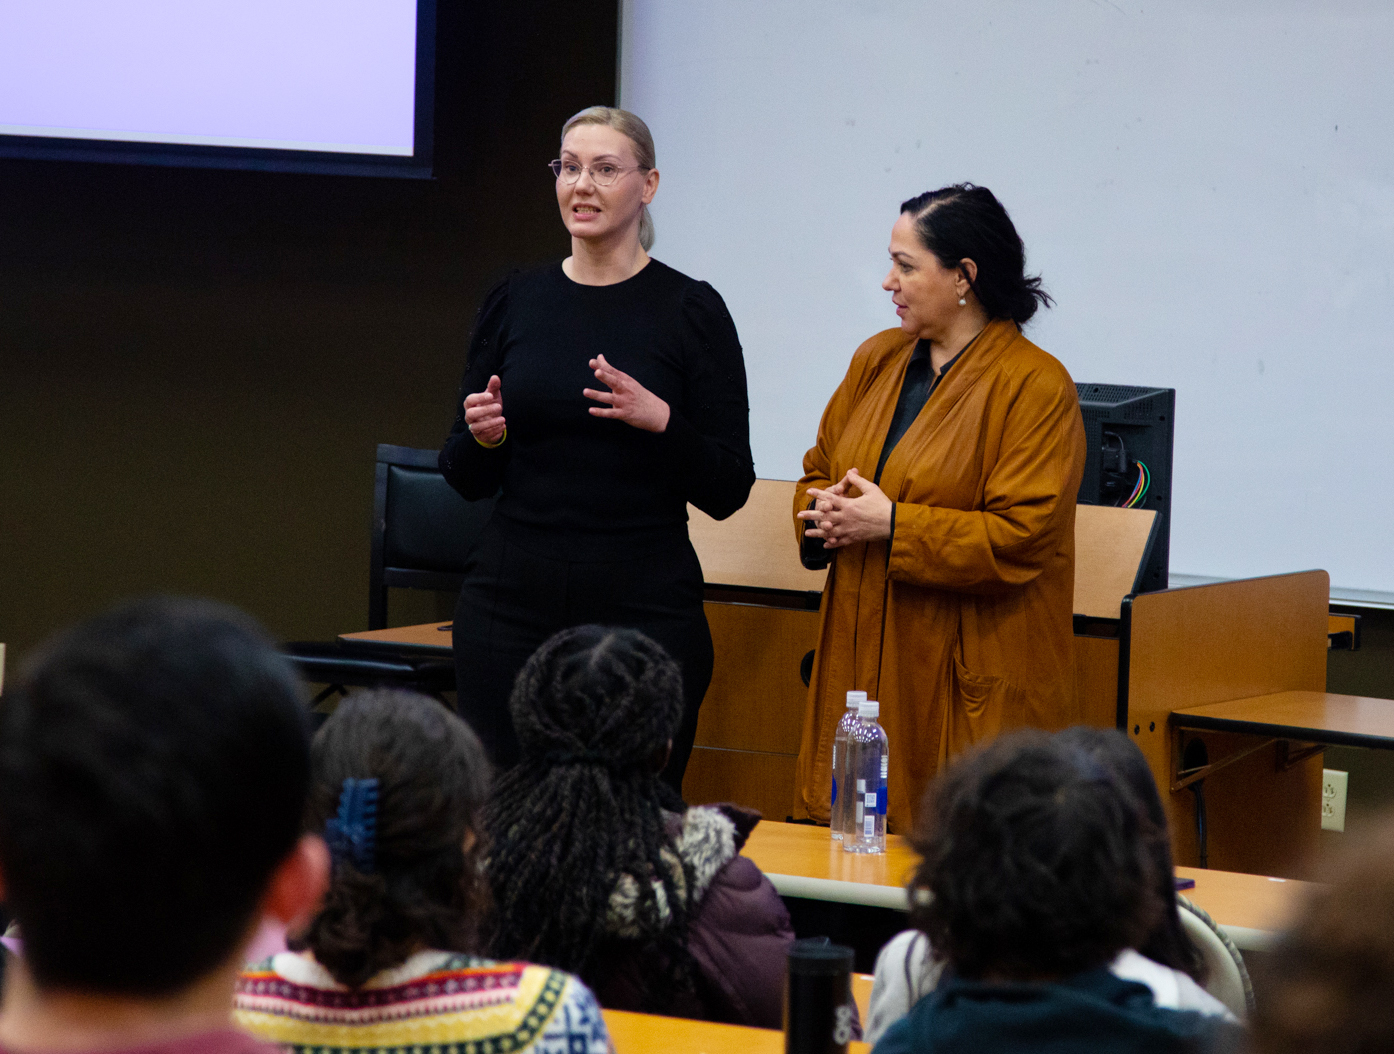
(1128, 431)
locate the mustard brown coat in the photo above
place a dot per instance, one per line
(961, 624)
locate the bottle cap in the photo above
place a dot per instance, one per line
(855, 699)
(868, 708)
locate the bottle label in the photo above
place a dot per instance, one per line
(870, 801)
(861, 786)
(834, 801)
(885, 765)
(869, 828)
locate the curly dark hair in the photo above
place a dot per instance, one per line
(424, 889)
(1036, 862)
(964, 222)
(595, 709)
(1329, 982)
(1168, 943)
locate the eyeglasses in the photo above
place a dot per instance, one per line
(602, 174)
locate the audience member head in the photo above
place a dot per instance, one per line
(154, 762)
(1167, 943)
(581, 816)
(1328, 986)
(1034, 861)
(405, 861)
(964, 222)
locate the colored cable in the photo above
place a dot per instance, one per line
(1144, 483)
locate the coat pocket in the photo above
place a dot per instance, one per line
(982, 707)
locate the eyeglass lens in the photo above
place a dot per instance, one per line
(602, 174)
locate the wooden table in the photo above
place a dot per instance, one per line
(803, 861)
(430, 638)
(1308, 717)
(651, 1034)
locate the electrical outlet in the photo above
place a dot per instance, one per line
(1333, 799)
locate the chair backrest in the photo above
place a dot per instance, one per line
(1226, 976)
(422, 529)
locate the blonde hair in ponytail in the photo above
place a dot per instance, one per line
(638, 133)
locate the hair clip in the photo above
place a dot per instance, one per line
(352, 834)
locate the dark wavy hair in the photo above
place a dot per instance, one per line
(1168, 943)
(1035, 862)
(424, 890)
(594, 708)
(1329, 981)
(964, 222)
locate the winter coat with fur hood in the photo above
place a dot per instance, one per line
(738, 930)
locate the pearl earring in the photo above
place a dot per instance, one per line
(962, 302)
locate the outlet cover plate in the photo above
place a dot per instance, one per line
(1333, 799)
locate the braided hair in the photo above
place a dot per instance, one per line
(594, 709)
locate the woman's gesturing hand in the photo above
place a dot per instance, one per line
(841, 518)
(627, 400)
(484, 413)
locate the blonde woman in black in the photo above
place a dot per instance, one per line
(601, 395)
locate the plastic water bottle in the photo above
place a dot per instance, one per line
(839, 811)
(868, 763)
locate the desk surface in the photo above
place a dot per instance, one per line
(432, 638)
(650, 1034)
(1311, 717)
(803, 861)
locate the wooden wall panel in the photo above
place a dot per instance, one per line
(756, 699)
(1231, 640)
(1262, 820)
(755, 545)
(1096, 680)
(758, 781)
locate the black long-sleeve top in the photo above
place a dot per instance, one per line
(597, 483)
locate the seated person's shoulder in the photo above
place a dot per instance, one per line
(524, 1006)
(1171, 989)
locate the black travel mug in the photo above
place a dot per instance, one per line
(818, 998)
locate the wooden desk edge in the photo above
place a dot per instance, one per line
(379, 634)
(839, 891)
(1245, 938)
(1298, 733)
(381, 640)
(710, 1037)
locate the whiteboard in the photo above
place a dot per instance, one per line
(1207, 189)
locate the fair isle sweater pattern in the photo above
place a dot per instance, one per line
(435, 1003)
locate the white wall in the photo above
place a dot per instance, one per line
(1207, 188)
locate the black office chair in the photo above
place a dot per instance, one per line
(422, 532)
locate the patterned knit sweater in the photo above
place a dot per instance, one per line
(434, 1003)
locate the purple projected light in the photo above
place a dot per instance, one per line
(338, 77)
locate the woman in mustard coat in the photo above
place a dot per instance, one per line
(942, 487)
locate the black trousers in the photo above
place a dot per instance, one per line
(522, 586)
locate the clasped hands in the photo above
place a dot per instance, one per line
(627, 401)
(852, 510)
